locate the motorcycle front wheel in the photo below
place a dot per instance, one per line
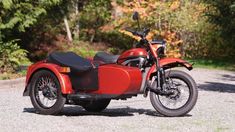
(184, 97)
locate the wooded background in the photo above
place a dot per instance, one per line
(30, 29)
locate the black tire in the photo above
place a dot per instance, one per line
(96, 105)
(59, 99)
(191, 101)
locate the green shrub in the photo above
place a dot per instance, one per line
(81, 48)
(11, 56)
(116, 39)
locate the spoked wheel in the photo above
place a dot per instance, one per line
(45, 93)
(183, 98)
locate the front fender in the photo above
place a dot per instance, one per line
(66, 86)
(167, 63)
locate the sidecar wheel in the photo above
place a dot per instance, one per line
(45, 93)
(97, 105)
(184, 97)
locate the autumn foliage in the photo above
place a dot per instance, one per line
(163, 18)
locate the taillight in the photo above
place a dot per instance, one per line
(64, 70)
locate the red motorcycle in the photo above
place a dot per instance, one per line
(93, 83)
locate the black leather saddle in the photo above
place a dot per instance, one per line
(70, 59)
(105, 57)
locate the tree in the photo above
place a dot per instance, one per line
(20, 15)
(221, 38)
(95, 14)
(221, 13)
(15, 18)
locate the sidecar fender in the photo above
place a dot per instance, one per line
(66, 86)
(167, 63)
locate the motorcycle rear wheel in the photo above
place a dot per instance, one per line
(162, 108)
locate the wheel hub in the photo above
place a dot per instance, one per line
(46, 91)
(175, 93)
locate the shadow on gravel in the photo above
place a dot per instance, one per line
(110, 112)
(228, 77)
(218, 87)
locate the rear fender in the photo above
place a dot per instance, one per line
(66, 86)
(168, 63)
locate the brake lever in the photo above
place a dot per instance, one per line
(140, 34)
(146, 31)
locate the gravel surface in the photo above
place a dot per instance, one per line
(214, 111)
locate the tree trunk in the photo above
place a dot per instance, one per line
(92, 38)
(76, 7)
(69, 35)
(77, 29)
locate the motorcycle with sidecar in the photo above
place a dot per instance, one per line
(66, 78)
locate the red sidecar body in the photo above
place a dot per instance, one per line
(88, 79)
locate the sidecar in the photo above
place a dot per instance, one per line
(79, 80)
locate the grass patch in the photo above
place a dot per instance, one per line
(13, 75)
(20, 71)
(85, 49)
(221, 129)
(213, 64)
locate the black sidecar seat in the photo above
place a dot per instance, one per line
(70, 59)
(105, 57)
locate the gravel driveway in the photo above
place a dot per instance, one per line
(214, 111)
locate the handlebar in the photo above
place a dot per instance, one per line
(141, 34)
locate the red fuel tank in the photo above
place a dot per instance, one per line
(132, 53)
